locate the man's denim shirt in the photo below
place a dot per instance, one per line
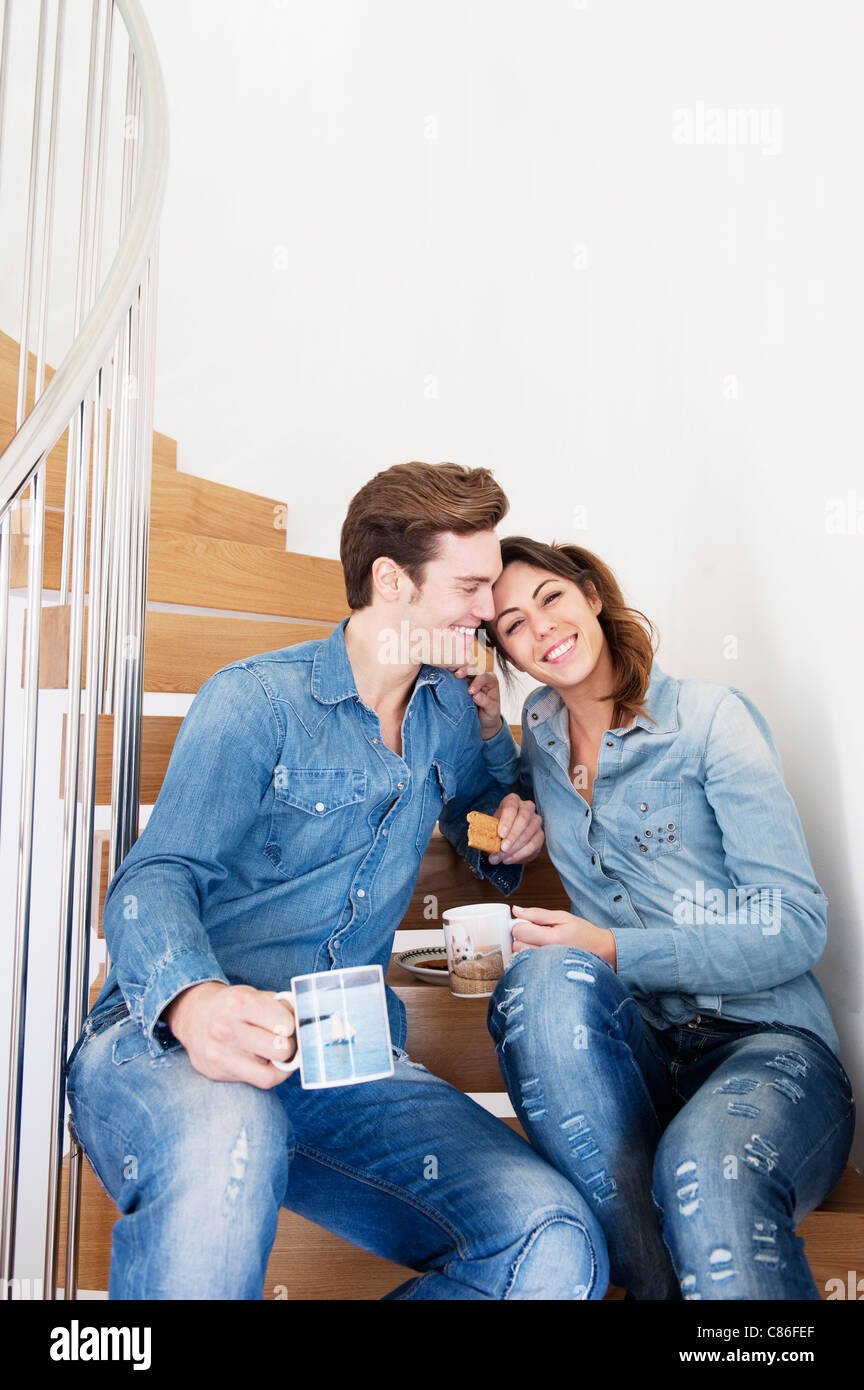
(689, 816)
(287, 836)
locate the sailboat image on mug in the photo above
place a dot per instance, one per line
(343, 1031)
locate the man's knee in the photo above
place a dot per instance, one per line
(563, 1256)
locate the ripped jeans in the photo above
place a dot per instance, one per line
(406, 1167)
(699, 1148)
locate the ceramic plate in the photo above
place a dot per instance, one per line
(416, 962)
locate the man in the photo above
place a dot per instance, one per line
(301, 794)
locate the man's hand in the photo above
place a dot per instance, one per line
(536, 926)
(520, 829)
(231, 1032)
(484, 691)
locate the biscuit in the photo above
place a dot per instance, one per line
(483, 832)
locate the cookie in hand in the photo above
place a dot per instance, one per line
(483, 832)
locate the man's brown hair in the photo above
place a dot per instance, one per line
(630, 636)
(402, 511)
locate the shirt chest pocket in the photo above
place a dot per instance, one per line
(439, 787)
(317, 816)
(649, 819)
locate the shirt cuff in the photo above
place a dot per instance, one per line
(647, 958)
(170, 976)
(501, 754)
(506, 877)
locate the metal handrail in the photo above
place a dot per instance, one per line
(111, 353)
(53, 410)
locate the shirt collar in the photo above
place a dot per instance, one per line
(661, 701)
(333, 679)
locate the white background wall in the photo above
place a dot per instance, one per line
(474, 230)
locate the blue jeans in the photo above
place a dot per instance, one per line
(406, 1167)
(699, 1148)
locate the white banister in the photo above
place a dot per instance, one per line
(111, 355)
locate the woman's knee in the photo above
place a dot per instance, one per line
(573, 987)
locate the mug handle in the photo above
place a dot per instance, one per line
(288, 1067)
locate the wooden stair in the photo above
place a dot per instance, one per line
(218, 547)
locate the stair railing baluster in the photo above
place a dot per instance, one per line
(114, 333)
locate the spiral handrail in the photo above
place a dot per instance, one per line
(109, 456)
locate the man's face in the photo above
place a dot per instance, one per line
(455, 598)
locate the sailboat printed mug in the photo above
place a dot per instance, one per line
(341, 1026)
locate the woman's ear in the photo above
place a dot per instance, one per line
(593, 599)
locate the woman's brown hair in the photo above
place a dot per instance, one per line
(402, 511)
(631, 637)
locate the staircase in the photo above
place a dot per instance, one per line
(213, 546)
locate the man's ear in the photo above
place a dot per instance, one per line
(388, 579)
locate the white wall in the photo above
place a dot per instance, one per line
(474, 231)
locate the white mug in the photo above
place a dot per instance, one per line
(341, 1027)
(479, 941)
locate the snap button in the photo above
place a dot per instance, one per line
(670, 825)
(533, 716)
(319, 805)
(593, 858)
(642, 806)
(400, 786)
(644, 849)
(617, 898)
(610, 743)
(648, 834)
(384, 830)
(670, 837)
(694, 1022)
(361, 892)
(588, 812)
(375, 740)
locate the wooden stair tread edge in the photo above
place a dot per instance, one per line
(210, 572)
(186, 502)
(164, 448)
(181, 650)
(309, 1262)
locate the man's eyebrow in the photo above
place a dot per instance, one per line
(473, 579)
(516, 610)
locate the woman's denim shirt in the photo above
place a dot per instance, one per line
(691, 853)
(287, 835)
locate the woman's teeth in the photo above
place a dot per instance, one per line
(467, 631)
(556, 653)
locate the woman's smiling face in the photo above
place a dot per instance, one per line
(546, 625)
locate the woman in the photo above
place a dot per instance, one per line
(664, 1043)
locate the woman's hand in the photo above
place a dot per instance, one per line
(485, 694)
(536, 926)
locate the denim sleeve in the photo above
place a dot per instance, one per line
(766, 859)
(220, 768)
(486, 770)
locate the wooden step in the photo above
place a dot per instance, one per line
(184, 502)
(164, 449)
(158, 734)
(181, 650)
(96, 987)
(206, 572)
(309, 1263)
